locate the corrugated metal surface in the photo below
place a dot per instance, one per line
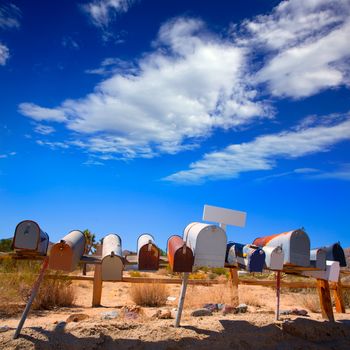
(180, 256)
(295, 245)
(66, 254)
(208, 243)
(112, 260)
(29, 236)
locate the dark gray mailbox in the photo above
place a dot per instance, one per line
(29, 237)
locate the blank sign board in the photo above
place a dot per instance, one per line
(224, 216)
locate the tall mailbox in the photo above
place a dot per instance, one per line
(29, 237)
(112, 258)
(180, 256)
(147, 253)
(66, 254)
(318, 258)
(249, 257)
(274, 257)
(335, 252)
(208, 243)
(295, 245)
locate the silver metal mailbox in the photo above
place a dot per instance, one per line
(330, 274)
(66, 254)
(29, 237)
(318, 258)
(147, 253)
(208, 243)
(295, 245)
(274, 257)
(112, 259)
(247, 256)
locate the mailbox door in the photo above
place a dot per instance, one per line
(148, 259)
(112, 268)
(274, 257)
(27, 235)
(180, 256)
(256, 260)
(336, 253)
(61, 257)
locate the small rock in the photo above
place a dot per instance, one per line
(109, 315)
(77, 318)
(220, 306)
(131, 315)
(201, 312)
(242, 308)
(4, 329)
(171, 298)
(285, 312)
(211, 307)
(228, 309)
(165, 315)
(299, 312)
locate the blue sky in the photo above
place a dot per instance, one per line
(128, 116)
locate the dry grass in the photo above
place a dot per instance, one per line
(249, 297)
(310, 300)
(149, 294)
(16, 281)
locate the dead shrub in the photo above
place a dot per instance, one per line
(310, 300)
(149, 294)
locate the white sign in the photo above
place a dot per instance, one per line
(224, 216)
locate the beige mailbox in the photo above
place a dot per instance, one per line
(66, 254)
(29, 238)
(208, 243)
(112, 259)
(147, 253)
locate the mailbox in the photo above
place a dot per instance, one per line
(335, 252)
(147, 253)
(180, 256)
(29, 237)
(318, 258)
(249, 257)
(66, 254)
(274, 257)
(208, 243)
(330, 274)
(295, 245)
(112, 259)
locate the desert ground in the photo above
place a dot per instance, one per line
(133, 327)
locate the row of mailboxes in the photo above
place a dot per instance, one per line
(30, 238)
(295, 245)
(249, 257)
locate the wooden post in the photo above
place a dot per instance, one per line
(35, 289)
(325, 300)
(278, 295)
(181, 299)
(97, 287)
(234, 286)
(338, 297)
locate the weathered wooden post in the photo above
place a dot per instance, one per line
(325, 300)
(338, 297)
(33, 294)
(66, 254)
(97, 284)
(234, 286)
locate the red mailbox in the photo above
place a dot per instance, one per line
(180, 256)
(147, 253)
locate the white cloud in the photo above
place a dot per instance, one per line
(4, 54)
(9, 16)
(53, 145)
(6, 155)
(262, 153)
(103, 12)
(307, 42)
(39, 113)
(191, 84)
(343, 173)
(44, 129)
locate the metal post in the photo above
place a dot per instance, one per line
(278, 293)
(35, 289)
(182, 299)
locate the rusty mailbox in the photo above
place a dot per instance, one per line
(295, 245)
(30, 238)
(208, 243)
(112, 259)
(247, 256)
(180, 256)
(147, 253)
(318, 258)
(335, 252)
(274, 257)
(66, 254)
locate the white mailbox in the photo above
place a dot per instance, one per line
(66, 254)
(274, 257)
(330, 274)
(208, 243)
(30, 238)
(318, 258)
(112, 259)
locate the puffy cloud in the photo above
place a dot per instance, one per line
(4, 54)
(261, 153)
(307, 46)
(192, 83)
